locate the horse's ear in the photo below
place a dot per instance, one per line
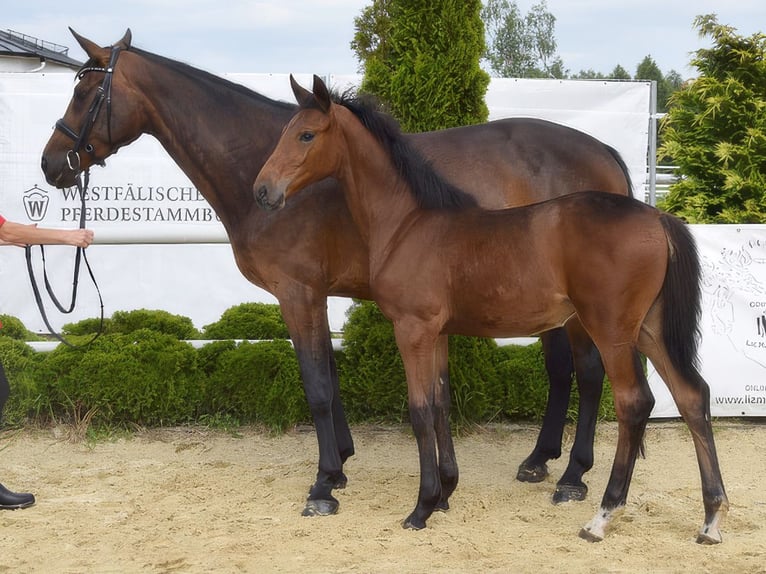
(321, 94)
(126, 39)
(91, 48)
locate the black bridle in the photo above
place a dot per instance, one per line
(104, 93)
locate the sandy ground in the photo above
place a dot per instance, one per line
(195, 500)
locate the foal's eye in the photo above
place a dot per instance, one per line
(307, 137)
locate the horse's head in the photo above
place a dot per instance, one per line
(98, 119)
(306, 152)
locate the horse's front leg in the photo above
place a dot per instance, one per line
(306, 318)
(633, 402)
(418, 348)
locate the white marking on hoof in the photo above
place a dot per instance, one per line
(711, 533)
(595, 530)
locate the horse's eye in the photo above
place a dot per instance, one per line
(307, 137)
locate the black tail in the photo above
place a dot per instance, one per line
(681, 299)
(621, 162)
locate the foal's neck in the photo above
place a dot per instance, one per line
(378, 196)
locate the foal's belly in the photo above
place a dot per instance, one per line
(517, 314)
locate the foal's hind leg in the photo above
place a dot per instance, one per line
(692, 397)
(633, 403)
(590, 383)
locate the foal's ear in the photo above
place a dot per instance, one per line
(302, 95)
(321, 94)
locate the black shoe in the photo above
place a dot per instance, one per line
(15, 500)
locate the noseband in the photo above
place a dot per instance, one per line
(104, 92)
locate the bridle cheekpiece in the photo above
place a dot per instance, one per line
(104, 92)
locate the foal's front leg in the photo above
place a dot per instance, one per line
(420, 357)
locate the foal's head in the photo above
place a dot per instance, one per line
(310, 149)
(313, 146)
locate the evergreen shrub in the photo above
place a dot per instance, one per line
(126, 322)
(144, 377)
(88, 326)
(13, 328)
(373, 386)
(255, 321)
(521, 369)
(18, 360)
(257, 382)
(178, 326)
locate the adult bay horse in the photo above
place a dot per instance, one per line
(221, 133)
(439, 264)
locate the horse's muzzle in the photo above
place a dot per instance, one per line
(57, 174)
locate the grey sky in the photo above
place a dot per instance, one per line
(313, 35)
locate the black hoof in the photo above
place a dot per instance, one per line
(532, 472)
(320, 507)
(442, 506)
(569, 493)
(411, 523)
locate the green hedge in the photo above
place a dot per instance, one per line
(141, 372)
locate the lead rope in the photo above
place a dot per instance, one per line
(82, 187)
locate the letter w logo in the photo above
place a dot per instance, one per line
(36, 203)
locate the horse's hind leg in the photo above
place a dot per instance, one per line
(633, 403)
(448, 470)
(692, 397)
(559, 366)
(590, 383)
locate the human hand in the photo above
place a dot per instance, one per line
(80, 237)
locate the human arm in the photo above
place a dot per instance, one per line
(19, 234)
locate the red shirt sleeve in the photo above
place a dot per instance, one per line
(2, 219)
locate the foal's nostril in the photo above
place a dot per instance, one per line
(262, 193)
(44, 164)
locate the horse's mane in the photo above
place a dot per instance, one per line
(430, 190)
(215, 84)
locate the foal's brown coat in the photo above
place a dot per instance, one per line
(628, 272)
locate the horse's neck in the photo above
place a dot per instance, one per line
(219, 144)
(378, 197)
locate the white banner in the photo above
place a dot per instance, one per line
(733, 346)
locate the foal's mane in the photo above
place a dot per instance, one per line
(218, 87)
(430, 190)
